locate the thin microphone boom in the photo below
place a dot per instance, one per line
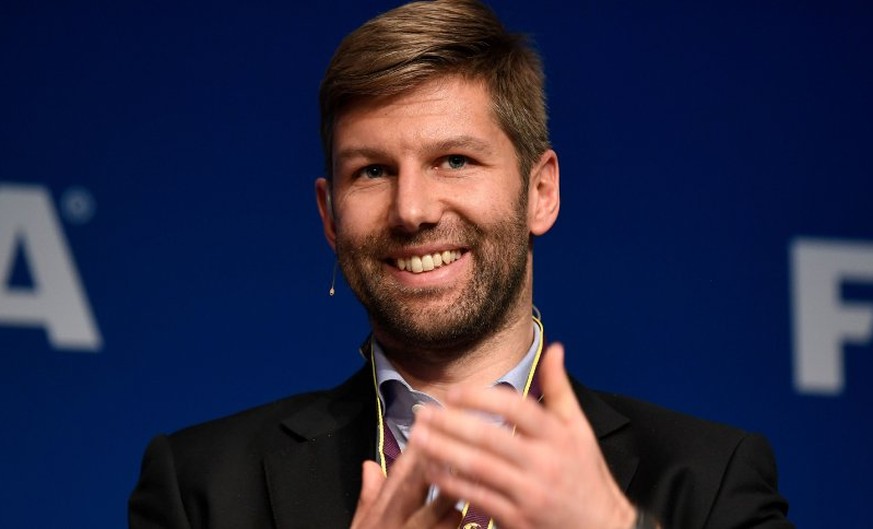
(332, 290)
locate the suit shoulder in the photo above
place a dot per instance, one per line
(680, 432)
(666, 421)
(261, 427)
(692, 472)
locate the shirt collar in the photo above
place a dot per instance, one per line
(397, 397)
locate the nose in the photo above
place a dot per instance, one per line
(415, 203)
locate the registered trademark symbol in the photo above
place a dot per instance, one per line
(78, 205)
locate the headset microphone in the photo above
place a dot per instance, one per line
(332, 290)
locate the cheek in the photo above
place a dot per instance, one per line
(491, 205)
(359, 212)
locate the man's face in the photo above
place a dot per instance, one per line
(430, 216)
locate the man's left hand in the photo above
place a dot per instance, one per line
(547, 473)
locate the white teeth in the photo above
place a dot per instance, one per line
(426, 263)
(415, 265)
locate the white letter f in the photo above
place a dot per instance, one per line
(823, 321)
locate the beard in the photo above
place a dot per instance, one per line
(442, 320)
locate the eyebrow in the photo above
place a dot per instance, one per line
(464, 142)
(358, 152)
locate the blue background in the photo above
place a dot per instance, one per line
(696, 142)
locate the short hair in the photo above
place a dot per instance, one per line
(421, 41)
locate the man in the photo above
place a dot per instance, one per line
(440, 174)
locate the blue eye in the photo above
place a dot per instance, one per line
(456, 161)
(373, 171)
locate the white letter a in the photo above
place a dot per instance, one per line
(57, 301)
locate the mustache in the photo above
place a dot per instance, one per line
(461, 234)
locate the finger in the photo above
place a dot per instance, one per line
(389, 502)
(405, 489)
(485, 499)
(558, 394)
(435, 514)
(371, 483)
(372, 480)
(502, 471)
(467, 428)
(526, 415)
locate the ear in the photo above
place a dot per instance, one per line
(325, 209)
(544, 194)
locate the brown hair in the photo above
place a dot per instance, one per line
(421, 41)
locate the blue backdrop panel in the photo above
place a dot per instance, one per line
(162, 263)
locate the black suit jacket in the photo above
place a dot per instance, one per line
(296, 463)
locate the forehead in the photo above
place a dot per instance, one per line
(430, 112)
(431, 85)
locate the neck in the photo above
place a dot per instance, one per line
(475, 365)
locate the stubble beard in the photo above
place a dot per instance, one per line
(431, 324)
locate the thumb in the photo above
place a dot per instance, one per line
(558, 394)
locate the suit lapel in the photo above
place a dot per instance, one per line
(316, 479)
(613, 434)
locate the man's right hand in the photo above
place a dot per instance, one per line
(398, 502)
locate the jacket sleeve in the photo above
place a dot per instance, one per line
(156, 502)
(748, 496)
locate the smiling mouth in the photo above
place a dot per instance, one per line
(418, 264)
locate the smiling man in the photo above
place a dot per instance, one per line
(439, 176)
